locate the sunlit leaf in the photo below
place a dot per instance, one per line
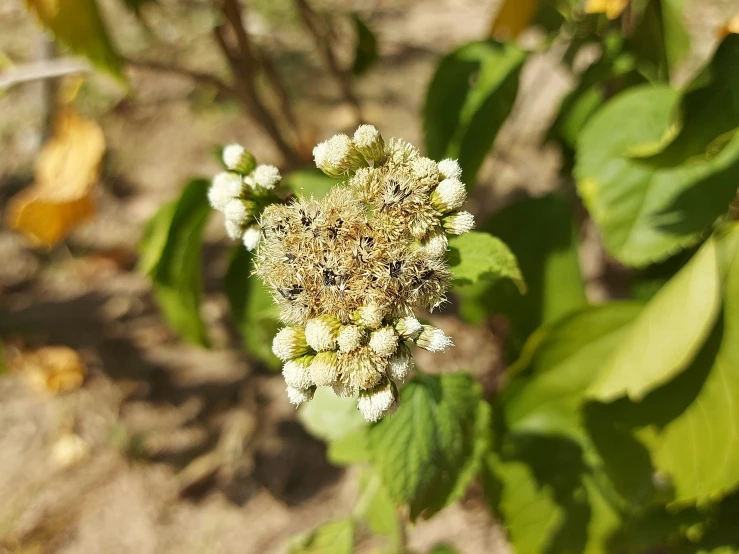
(365, 53)
(469, 98)
(79, 25)
(612, 8)
(350, 448)
(379, 512)
(61, 196)
(429, 450)
(667, 334)
(329, 417)
(475, 256)
(336, 537)
(513, 17)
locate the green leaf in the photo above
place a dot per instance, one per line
(667, 334)
(329, 417)
(349, 449)
(365, 53)
(79, 25)
(429, 450)
(378, 510)
(558, 364)
(475, 256)
(252, 307)
(469, 98)
(3, 367)
(443, 549)
(542, 236)
(336, 537)
(310, 182)
(170, 255)
(677, 40)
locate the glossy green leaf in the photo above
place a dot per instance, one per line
(336, 537)
(558, 364)
(309, 182)
(469, 98)
(170, 255)
(476, 256)
(541, 234)
(365, 52)
(79, 25)
(329, 417)
(429, 450)
(667, 334)
(252, 307)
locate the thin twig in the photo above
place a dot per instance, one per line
(321, 33)
(199, 76)
(40, 70)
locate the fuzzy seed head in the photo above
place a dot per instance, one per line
(324, 369)
(290, 343)
(433, 339)
(370, 316)
(375, 403)
(225, 187)
(426, 170)
(298, 396)
(449, 195)
(408, 327)
(296, 372)
(384, 341)
(450, 169)
(370, 144)
(349, 338)
(435, 244)
(321, 332)
(361, 369)
(251, 237)
(458, 223)
(401, 363)
(338, 156)
(266, 176)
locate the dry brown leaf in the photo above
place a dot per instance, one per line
(612, 8)
(731, 26)
(66, 171)
(512, 18)
(56, 369)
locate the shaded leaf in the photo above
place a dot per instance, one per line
(379, 511)
(62, 194)
(475, 256)
(667, 334)
(309, 182)
(79, 25)
(365, 52)
(170, 255)
(336, 537)
(469, 98)
(443, 549)
(329, 417)
(429, 450)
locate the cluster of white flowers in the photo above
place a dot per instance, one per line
(242, 192)
(349, 270)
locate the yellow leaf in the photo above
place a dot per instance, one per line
(731, 26)
(55, 369)
(612, 8)
(512, 18)
(66, 170)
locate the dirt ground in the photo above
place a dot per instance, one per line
(169, 448)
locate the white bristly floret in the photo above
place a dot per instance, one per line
(266, 176)
(408, 327)
(369, 316)
(233, 229)
(370, 144)
(289, 343)
(425, 168)
(459, 223)
(435, 244)
(401, 364)
(449, 195)
(232, 155)
(236, 212)
(350, 338)
(251, 237)
(384, 341)
(226, 186)
(450, 169)
(337, 156)
(324, 369)
(297, 374)
(320, 333)
(298, 396)
(375, 403)
(433, 339)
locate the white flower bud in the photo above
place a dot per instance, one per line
(321, 332)
(338, 157)
(448, 196)
(226, 186)
(298, 396)
(375, 403)
(435, 244)
(450, 169)
(237, 159)
(370, 144)
(266, 176)
(296, 372)
(458, 223)
(384, 341)
(433, 339)
(408, 327)
(236, 211)
(290, 343)
(251, 237)
(324, 369)
(425, 169)
(350, 338)
(233, 229)
(369, 316)
(401, 363)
